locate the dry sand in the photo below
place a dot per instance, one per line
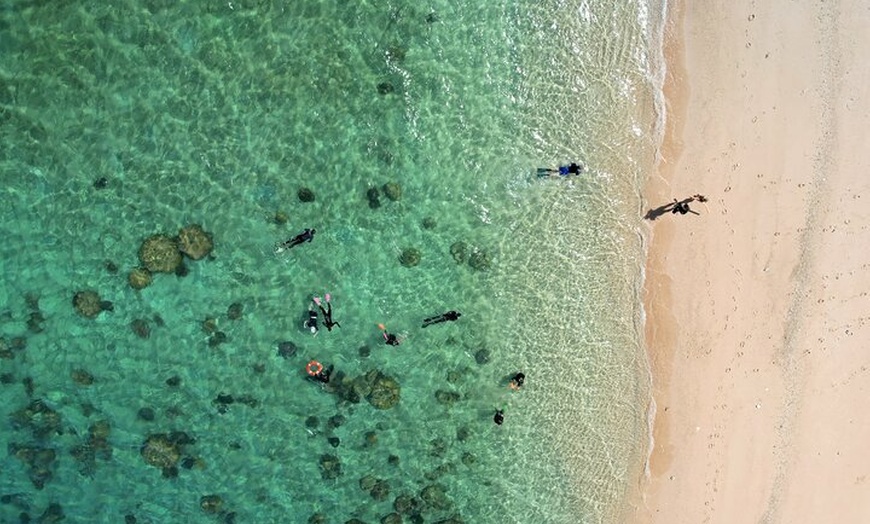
(758, 308)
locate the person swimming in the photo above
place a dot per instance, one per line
(389, 338)
(327, 313)
(517, 381)
(305, 236)
(571, 169)
(498, 418)
(311, 322)
(444, 317)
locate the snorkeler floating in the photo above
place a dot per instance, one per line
(305, 236)
(498, 418)
(311, 321)
(571, 169)
(444, 317)
(517, 381)
(327, 313)
(389, 338)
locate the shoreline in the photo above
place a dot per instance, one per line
(748, 303)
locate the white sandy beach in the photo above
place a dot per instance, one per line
(757, 307)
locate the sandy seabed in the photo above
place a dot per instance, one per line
(757, 302)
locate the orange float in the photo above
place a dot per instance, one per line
(314, 368)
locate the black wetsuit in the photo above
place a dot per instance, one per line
(518, 380)
(305, 236)
(327, 317)
(450, 315)
(311, 323)
(391, 339)
(498, 418)
(323, 376)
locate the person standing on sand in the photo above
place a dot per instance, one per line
(680, 207)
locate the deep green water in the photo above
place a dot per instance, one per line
(217, 113)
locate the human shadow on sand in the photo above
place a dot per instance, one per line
(653, 214)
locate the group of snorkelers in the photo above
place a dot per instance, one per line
(322, 374)
(311, 322)
(317, 372)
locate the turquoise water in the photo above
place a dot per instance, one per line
(217, 114)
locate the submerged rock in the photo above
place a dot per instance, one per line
(141, 328)
(392, 518)
(305, 195)
(330, 467)
(211, 503)
(235, 311)
(380, 491)
(147, 414)
(448, 398)
(195, 242)
(410, 257)
(34, 322)
(434, 496)
(160, 254)
(374, 197)
(393, 191)
(286, 349)
(87, 303)
(280, 218)
(459, 251)
(160, 451)
(367, 483)
(52, 514)
(380, 390)
(139, 278)
(335, 421)
(41, 420)
(407, 504)
(479, 260)
(39, 461)
(164, 450)
(82, 377)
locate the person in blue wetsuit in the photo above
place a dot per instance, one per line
(571, 169)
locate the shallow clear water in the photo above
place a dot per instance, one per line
(217, 114)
